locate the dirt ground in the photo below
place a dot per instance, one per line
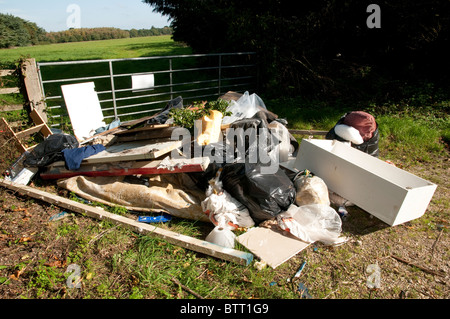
(413, 257)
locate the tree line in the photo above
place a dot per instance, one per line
(92, 34)
(16, 32)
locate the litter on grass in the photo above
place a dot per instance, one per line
(241, 172)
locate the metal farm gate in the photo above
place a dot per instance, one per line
(131, 88)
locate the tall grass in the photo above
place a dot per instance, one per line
(408, 133)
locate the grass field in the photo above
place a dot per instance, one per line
(122, 49)
(117, 263)
(89, 50)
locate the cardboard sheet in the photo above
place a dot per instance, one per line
(271, 245)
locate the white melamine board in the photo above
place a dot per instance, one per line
(84, 109)
(387, 192)
(142, 81)
(133, 151)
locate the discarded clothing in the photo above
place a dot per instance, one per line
(110, 126)
(49, 151)
(74, 157)
(163, 116)
(363, 122)
(366, 126)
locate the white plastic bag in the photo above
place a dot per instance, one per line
(224, 210)
(311, 223)
(245, 107)
(310, 190)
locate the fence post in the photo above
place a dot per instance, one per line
(220, 73)
(33, 87)
(170, 77)
(113, 90)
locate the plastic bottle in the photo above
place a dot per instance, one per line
(343, 213)
(155, 219)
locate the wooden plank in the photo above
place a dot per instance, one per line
(110, 131)
(191, 243)
(8, 108)
(29, 131)
(19, 144)
(133, 151)
(308, 132)
(197, 164)
(9, 90)
(146, 134)
(133, 123)
(38, 120)
(145, 128)
(6, 72)
(33, 87)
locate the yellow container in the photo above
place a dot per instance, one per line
(209, 132)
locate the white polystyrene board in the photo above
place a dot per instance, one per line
(389, 193)
(142, 81)
(84, 108)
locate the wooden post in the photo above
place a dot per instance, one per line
(33, 88)
(198, 245)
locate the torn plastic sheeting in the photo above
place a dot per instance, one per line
(166, 163)
(245, 107)
(172, 193)
(223, 210)
(311, 223)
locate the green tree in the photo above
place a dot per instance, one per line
(318, 46)
(13, 31)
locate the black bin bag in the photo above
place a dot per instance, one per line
(265, 195)
(50, 150)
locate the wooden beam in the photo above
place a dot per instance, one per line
(198, 164)
(145, 134)
(9, 90)
(6, 72)
(29, 131)
(134, 151)
(145, 128)
(38, 120)
(8, 108)
(308, 132)
(198, 245)
(33, 87)
(22, 148)
(40, 127)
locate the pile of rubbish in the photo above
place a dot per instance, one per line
(232, 171)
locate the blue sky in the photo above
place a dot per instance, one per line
(58, 15)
